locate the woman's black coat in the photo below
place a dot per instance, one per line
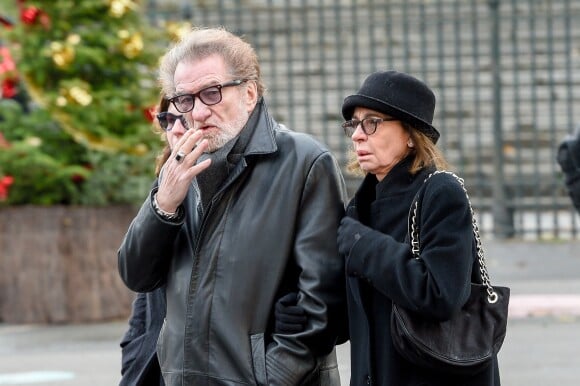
(381, 270)
(139, 364)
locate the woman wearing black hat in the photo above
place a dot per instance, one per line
(389, 121)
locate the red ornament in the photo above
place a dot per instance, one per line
(9, 88)
(29, 15)
(8, 74)
(5, 183)
(149, 113)
(6, 61)
(33, 15)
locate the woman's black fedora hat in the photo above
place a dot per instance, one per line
(399, 95)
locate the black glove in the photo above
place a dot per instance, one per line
(290, 318)
(349, 232)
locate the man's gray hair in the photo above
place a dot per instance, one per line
(239, 56)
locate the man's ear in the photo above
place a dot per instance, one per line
(251, 95)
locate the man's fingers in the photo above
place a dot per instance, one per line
(198, 168)
(187, 142)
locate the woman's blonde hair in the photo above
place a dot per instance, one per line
(425, 152)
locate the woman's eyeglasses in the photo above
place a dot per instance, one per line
(368, 125)
(209, 96)
(167, 120)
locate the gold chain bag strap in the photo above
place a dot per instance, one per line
(469, 340)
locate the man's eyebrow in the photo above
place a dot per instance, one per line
(207, 85)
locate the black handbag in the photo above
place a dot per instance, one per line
(466, 343)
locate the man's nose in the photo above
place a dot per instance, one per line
(200, 111)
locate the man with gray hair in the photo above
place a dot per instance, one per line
(244, 212)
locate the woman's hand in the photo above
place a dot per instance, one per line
(349, 232)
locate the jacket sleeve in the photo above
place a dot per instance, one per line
(321, 282)
(144, 254)
(438, 283)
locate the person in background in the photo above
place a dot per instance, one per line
(568, 158)
(245, 211)
(139, 364)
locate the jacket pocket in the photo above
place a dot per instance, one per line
(329, 373)
(259, 358)
(326, 372)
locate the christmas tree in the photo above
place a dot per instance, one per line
(85, 134)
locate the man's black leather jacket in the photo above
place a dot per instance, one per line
(270, 229)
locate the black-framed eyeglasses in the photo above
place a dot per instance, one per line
(209, 96)
(167, 120)
(369, 125)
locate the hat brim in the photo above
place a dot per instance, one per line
(371, 103)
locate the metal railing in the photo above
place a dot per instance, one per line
(506, 74)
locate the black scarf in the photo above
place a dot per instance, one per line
(223, 161)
